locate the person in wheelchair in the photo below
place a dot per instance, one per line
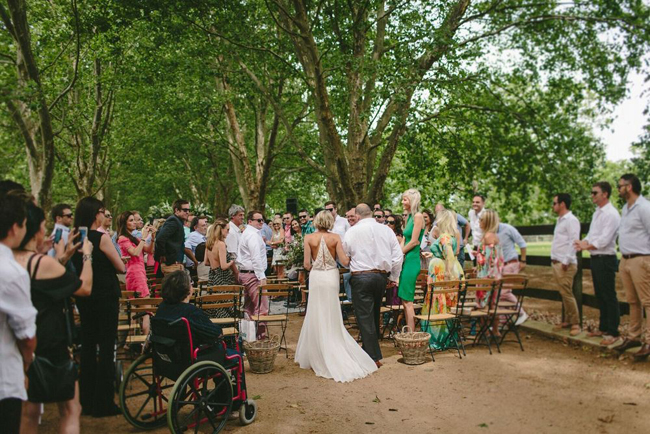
(176, 294)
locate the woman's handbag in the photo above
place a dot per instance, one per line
(50, 382)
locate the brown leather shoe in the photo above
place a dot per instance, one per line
(379, 364)
(643, 353)
(627, 344)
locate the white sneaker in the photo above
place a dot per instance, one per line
(523, 317)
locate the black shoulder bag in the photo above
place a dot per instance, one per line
(50, 382)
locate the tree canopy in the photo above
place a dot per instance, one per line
(258, 101)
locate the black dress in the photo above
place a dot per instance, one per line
(217, 276)
(49, 297)
(99, 315)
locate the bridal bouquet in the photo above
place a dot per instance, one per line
(295, 252)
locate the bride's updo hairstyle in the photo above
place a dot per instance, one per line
(324, 220)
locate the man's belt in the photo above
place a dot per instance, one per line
(247, 271)
(634, 255)
(512, 261)
(354, 273)
(603, 256)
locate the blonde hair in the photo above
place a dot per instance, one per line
(276, 220)
(158, 223)
(414, 200)
(447, 222)
(214, 233)
(489, 221)
(324, 220)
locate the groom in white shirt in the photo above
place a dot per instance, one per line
(375, 257)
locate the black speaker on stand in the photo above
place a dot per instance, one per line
(292, 205)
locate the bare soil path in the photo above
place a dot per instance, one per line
(548, 388)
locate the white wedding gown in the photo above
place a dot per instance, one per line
(324, 344)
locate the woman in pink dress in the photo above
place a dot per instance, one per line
(133, 248)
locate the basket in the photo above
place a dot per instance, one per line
(261, 354)
(413, 345)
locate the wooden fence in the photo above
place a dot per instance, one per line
(583, 264)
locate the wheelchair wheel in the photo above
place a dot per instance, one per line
(202, 394)
(144, 396)
(248, 412)
(119, 374)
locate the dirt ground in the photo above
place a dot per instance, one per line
(548, 388)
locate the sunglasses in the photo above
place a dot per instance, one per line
(185, 209)
(67, 215)
(258, 220)
(302, 216)
(329, 209)
(390, 222)
(593, 193)
(108, 216)
(379, 216)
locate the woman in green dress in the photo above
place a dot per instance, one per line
(413, 232)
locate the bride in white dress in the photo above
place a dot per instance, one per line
(324, 344)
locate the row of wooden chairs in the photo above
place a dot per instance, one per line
(468, 316)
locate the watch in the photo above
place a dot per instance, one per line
(88, 258)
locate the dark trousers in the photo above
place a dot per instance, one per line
(97, 370)
(367, 291)
(10, 412)
(603, 272)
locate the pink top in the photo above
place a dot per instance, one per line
(136, 275)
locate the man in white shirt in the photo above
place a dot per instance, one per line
(474, 215)
(351, 216)
(634, 242)
(251, 260)
(17, 314)
(62, 218)
(341, 224)
(601, 243)
(375, 257)
(236, 214)
(564, 261)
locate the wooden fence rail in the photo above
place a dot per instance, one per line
(583, 263)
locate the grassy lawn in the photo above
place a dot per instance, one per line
(543, 248)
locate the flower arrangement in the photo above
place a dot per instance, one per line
(295, 252)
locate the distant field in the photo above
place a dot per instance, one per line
(543, 248)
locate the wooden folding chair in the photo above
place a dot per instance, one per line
(222, 301)
(482, 317)
(448, 289)
(273, 291)
(512, 310)
(137, 305)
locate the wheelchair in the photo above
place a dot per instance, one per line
(184, 385)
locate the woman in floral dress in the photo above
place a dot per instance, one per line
(443, 266)
(489, 260)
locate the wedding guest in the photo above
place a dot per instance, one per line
(251, 260)
(52, 285)
(341, 224)
(387, 212)
(296, 229)
(199, 228)
(108, 224)
(427, 238)
(509, 236)
(306, 226)
(379, 216)
(287, 217)
(139, 224)
(478, 205)
(413, 233)
(222, 263)
(98, 313)
(62, 217)
(17, 314)
(601, 243)
(489, 260)
(634, 242)
(376, 206)
(277, 244)
(463, 230)
(236, 214)
(170, 240)
(351, 216)
(395, 223)
(563, 258)
(443, 266)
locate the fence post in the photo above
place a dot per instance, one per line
(577, 282)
